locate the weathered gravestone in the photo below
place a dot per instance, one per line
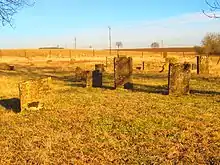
(84, 76)
(78, 74)
(123, 68)
(203, 64)
(87, 78)
(100, 67)
(178, 78)
(31, 93)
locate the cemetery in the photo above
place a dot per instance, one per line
(178, 79)
(86, 83)
(129, 100)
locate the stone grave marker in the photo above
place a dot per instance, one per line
(31, 93)
(87, 78)
(203, 64)
(97, 78)
(178, 78)
(123, 68)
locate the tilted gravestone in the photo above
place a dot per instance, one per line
(31, 93)
(123, 68)
(203, 64)
(178, 78)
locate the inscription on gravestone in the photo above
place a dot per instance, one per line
(123, 68)
(178, 78)
(31, 93)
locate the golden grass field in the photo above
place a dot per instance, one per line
(105, 126)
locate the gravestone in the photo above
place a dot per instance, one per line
(97, 78)
(123, 68)
(87, 78)
(203, 64)
(31, 93)
(178, 78)
(78, 74)
(100, 67)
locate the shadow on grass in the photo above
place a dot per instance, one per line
(11, 104)
(204, 92)
(108, 87)
(207, 79)
(159, 89)
(150, 76)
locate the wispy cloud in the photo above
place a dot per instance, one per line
(184, 30)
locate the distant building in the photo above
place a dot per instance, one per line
(51, 48)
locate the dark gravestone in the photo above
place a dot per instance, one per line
(123, 72)
(97, 78)
(100, 67)
(31, 93)
(178, 78)
(203, 64)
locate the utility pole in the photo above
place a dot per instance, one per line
(75, 42)
(110, 40)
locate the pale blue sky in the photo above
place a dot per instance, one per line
(135, 23)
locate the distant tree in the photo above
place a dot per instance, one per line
(155, 45)
(119, 45)
(214, 7)
(8, 8)
(210, 44)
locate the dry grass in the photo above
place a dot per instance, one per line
(103, 126)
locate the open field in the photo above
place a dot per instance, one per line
(68, 53)
(105, 126)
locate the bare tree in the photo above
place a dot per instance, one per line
(210, 44)
(155, 45)
(214, 7)
(119, 45)
(8, 8)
